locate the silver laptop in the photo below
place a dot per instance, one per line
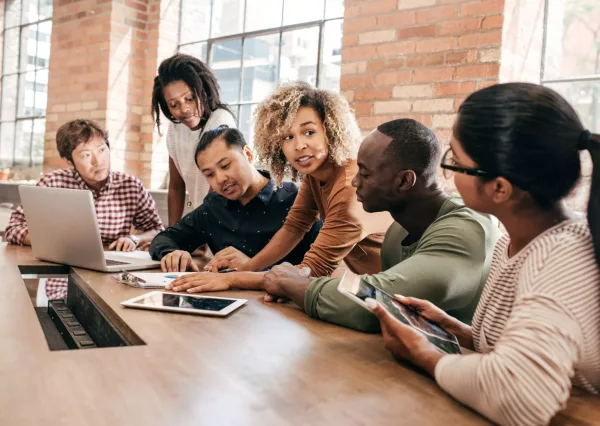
(64, 229)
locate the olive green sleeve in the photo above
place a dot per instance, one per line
(448, 268)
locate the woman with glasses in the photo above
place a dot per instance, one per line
(536, 331)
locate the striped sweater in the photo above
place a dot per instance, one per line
(536, 330)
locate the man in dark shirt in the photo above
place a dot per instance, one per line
(244, 212)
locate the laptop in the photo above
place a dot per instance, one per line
(64, 229)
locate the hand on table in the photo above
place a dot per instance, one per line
(200, 282)
(278, 277)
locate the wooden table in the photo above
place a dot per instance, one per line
(263, 365)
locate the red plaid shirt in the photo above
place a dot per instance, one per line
(122, 204)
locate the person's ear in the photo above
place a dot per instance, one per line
(248, 153)
(405, 180)
(501, 190)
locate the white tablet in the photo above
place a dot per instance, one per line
(185, 303)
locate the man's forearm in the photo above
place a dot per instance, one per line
(295, 290)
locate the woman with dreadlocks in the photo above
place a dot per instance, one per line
(187, 93)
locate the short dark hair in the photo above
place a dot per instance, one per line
(414, 146)
(231, 136)
(530, 135)
(73, 133)
(197, 75)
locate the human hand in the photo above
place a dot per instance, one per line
(229, 257)
(200, 282)
(178, 261)
(280, 276)
(122, 244)
(404, 342)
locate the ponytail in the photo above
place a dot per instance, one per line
(593, 215)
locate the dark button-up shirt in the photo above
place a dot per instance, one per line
(221, 223)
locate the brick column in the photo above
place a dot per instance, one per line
(418, 58)
(104, 55)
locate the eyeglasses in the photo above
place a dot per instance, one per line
(450, 167)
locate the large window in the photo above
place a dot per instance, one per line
(571, 59)
(27, 29)
(251, 45)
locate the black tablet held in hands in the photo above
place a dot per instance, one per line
(358, 290)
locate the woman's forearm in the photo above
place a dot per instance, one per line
(282, 243)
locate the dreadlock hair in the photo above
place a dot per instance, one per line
(197, 75)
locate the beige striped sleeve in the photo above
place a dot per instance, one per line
(527, 377)
(526, 380)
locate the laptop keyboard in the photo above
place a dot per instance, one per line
(115, 262)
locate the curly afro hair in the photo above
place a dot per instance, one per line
(274, 116)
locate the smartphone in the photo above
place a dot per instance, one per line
(359, 290)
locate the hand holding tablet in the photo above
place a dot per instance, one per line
(359, 290)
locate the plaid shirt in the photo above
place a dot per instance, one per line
(122, 204)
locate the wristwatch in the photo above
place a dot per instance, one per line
(135, 239)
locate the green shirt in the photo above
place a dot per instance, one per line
(448, 266)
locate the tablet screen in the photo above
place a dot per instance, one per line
(183, 301)
(434, 333)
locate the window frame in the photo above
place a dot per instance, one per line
(19, 73)
(236, 107)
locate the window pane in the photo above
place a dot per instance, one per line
(228, 17)
(296, 12)
(45, 11)
(334, 9)
(195, 20)
(11, 50)
(299, 55)
(260, 67)
(331, 56)
(30, 12)
(13, 13)
(41, 92)
(7, 138)
(29, 36)
(9, 97)
(584, 96)
(26, 94)
(37, 148)
(246, 124)
(226, 62)
(23, 142)
(263, 14)
(42, 57)
(572, 39)
(197, 49)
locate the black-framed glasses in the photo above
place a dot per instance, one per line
(450, 167)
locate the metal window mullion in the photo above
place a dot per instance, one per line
(544, 41)
(241, 70)
(572, 79)
(210, 21)
(320, 52)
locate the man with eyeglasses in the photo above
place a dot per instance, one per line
(436, 249)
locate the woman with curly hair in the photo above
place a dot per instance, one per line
(187, 93)
(302, 131)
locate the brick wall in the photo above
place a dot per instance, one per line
(418, 58)
(104, 56)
